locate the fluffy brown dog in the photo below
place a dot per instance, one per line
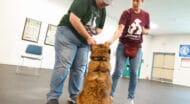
(97, 83)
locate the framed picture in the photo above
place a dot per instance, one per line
(31, 30)
(50, 35)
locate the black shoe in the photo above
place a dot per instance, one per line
(72, 100)
(53, 101)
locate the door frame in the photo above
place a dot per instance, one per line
(153, 56)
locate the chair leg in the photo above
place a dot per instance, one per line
(20, 66)
(17, 69)
(37, 72)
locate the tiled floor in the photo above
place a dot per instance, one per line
(29, 89)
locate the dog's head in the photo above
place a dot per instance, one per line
(100, 52)
(100, 56)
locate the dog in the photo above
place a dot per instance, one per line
(97, 82)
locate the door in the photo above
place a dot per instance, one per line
(163, 66)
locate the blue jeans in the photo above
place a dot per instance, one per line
(120, 64)
(71, 55)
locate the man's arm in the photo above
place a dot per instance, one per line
(79, 27)
(116, 35)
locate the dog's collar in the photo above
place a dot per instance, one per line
(99, 59)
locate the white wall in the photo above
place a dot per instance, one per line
(144, 74)
(13, 14)
(168, 44)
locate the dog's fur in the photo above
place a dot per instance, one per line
(97, 83)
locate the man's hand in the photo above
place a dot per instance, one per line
(92, 30)
(91, 41)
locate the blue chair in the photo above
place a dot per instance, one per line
(34, 53)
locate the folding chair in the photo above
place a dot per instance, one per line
(34, 53)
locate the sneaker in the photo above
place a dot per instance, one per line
(53, 101)
(72, 100)
(130, 101)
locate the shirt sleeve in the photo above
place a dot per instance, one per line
(147, 25)
(79, 8)
(102, 19)
(123, 18)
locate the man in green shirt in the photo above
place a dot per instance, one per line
(73, 38)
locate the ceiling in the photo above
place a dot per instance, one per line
(169, 16)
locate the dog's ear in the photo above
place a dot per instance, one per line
(109, 51)
(107, 46)
(92, 48)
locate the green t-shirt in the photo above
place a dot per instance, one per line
(89, 14)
